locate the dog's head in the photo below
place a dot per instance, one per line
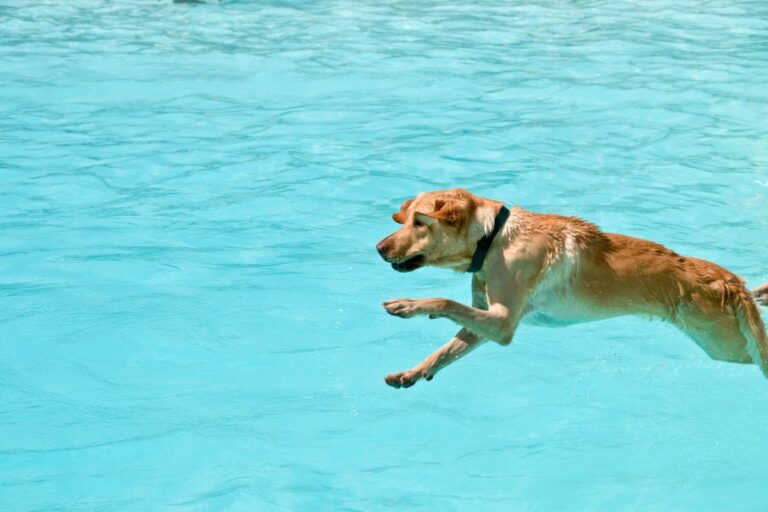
(440, 228)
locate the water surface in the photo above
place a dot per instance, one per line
(190, 297)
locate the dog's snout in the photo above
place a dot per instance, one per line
(382, 247)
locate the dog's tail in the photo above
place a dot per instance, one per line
(753, 329)
(761, 294)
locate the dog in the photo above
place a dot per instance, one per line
(554, 270)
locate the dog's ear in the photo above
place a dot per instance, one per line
(451, 211)
(401, 216)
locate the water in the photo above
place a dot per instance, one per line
(190, 297)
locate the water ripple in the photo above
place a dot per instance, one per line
(190, 297)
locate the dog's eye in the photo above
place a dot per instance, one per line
(417, 222)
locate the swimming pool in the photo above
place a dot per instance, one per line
(190, 296)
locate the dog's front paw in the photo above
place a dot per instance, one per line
(406, 379)
(404, 308)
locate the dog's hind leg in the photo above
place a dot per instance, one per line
(728, 329)
(752, 327)
(761, 294)
(718, 335)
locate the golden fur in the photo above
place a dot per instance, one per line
(555, 270)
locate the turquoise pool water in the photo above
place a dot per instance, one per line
(190, 296)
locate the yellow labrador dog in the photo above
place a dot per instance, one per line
(554, 270)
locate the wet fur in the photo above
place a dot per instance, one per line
(556, 270)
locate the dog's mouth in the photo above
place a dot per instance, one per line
(409, 265)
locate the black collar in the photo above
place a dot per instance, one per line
(485, 243)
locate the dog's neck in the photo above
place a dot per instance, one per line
(484, 244)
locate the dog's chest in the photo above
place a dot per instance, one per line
(555, 306)
(555, 301)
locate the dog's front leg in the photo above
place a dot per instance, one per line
(497, 323)
(459, 346)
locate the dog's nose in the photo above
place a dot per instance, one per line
(382, 247)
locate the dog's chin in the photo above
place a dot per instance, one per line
(410, 264)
